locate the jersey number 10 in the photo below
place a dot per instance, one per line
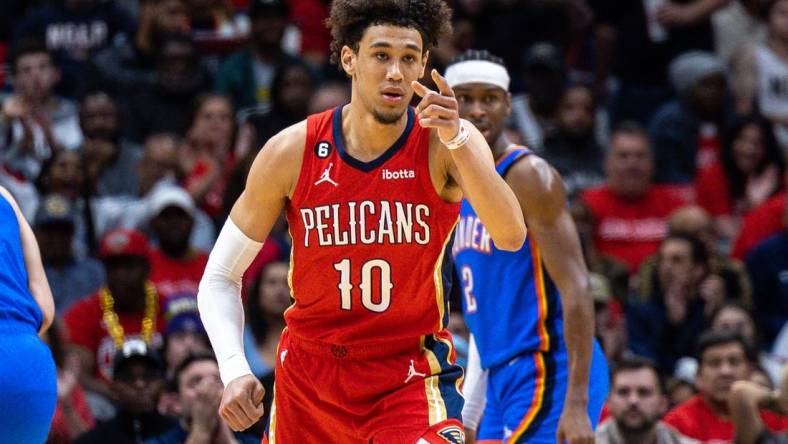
(345, 286)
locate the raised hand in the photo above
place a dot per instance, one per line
(438, 110)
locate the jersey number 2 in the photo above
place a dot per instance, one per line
(345, 286)
(467, 280)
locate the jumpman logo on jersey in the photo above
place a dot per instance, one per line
(325, 177)
(412, 372)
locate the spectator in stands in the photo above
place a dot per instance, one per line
(735, 317)
(159, 167)
(687, 131)
(137, 383)
(666, 327)
(609, 321)
(760, 224)
(185, 334)
(127, 308)
(198, 391)
(75, 30)
(72, 414)
(629, 212)
(679, 390)
(70, 277)
(696, 222)
(572, 150)
(208, 156)
(130, 64)
(160, 162)
(64, 174)
(635, 41)
(544, 78)
(176, 267)
(761, 70)
(35, 122)
(329, 95)
(750, 173)
(292, 87)
(723, 358)
(247, 76)
(612, 269)
(768, 266)
(166, 106)
(111, 160)
(636, 402)
(739, 24)
(265, 306)
(747, 401)
(215, 19)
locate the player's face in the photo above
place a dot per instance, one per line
(635, 400)
(486, 106)
(388, 59)
(721, 366)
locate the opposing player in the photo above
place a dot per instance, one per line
(372, 192)
(27, 371)
(529, 312)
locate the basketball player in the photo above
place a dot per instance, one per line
(28, 388)
(371, 191)
(537, 352)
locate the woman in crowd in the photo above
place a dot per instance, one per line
(751, 172)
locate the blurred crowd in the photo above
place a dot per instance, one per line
(127, 129)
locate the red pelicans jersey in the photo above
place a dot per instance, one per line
(369, 260)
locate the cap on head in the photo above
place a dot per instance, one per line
(166, 195)
(123, 242)
(689, 68)
(478, 66)
(182, 314)
(135, 350)
(55, 209)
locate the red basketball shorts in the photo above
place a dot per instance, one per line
(393, 393)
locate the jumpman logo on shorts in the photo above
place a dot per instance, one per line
(325, 177)
(412, 372)
(282, 356)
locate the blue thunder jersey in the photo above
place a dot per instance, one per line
(510, 303)
(17, 306)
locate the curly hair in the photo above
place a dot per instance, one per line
(350, 18)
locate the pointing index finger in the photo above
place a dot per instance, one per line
(443, 85)
(419, 89)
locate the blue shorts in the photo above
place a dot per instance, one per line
(525, 396)
(29, 388)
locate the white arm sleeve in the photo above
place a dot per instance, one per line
(475, 388)
(219, 299)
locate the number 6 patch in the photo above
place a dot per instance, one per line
(322, 149)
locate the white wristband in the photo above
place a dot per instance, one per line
(460, 139)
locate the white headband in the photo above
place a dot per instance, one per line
(477, 71)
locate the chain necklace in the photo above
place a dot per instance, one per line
(111, 318)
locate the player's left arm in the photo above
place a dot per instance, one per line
(471, 166)
(542, 196)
